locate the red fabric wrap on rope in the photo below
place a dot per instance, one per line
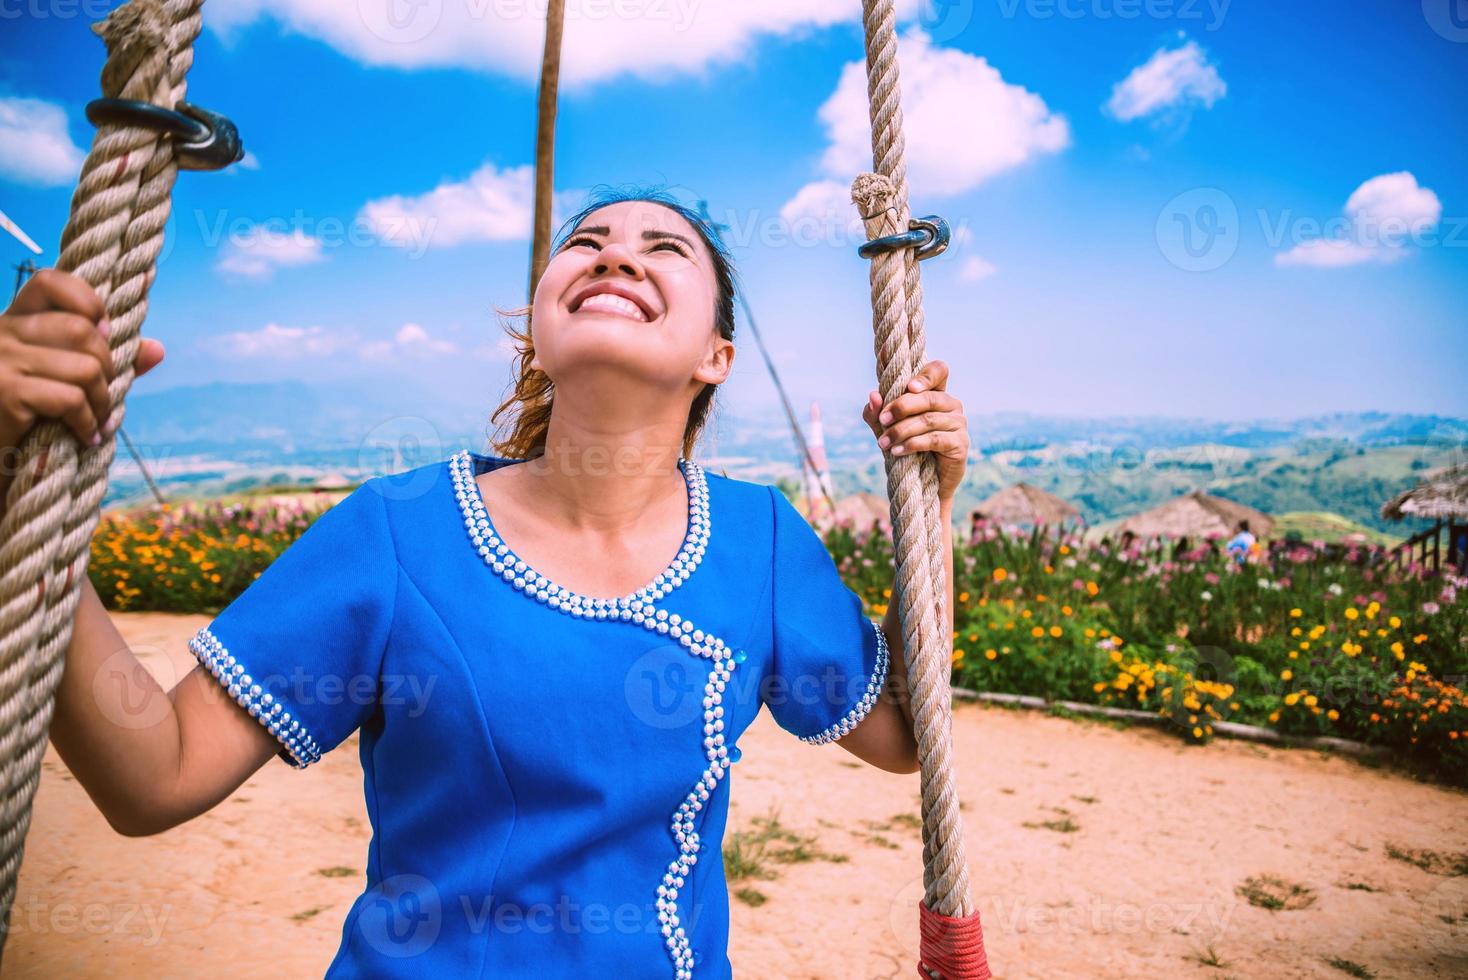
(952, 948)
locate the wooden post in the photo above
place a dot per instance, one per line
(545, 140)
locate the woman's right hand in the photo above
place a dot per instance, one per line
(55, 361)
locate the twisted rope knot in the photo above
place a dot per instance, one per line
(876, 199)
(136, 35)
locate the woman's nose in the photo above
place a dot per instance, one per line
(618, 256)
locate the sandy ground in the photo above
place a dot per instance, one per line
(1093, 852)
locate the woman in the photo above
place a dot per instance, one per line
(548, 706)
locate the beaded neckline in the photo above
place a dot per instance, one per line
(506, 564)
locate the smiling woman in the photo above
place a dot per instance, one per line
(668, 245)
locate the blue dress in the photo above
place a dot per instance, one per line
(546, 773)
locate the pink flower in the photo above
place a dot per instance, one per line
(1211, 578)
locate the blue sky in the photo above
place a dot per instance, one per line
(1166, 207)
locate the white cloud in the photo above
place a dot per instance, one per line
(1172, 78)
(822, 211)
(275, 341)
(492, 205)
(603, 38)
(962, 121)
(35, 147)
(258, 251)
(1382, 218)
(279, 342)
(975, 268)
(412, 340)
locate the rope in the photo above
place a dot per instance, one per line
(949, 925)
(111, 240)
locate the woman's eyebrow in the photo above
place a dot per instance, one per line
(646, 235)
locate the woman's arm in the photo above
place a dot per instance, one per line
(149, 759)
(924, 418)
(885, 736)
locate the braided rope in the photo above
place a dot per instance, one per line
(112, 240)
(912, 481)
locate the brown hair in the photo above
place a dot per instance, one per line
(527, 409)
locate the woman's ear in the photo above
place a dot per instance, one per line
(720, 361)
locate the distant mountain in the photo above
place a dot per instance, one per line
(233, 436)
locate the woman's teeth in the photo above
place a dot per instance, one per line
(612, 303)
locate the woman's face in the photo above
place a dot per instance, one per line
(629, 300)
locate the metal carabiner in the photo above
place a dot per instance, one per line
(205, 140)
(929, 235)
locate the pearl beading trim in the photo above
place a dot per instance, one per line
(261, 705)
(506, 564)
(868, 699)
(637, 608)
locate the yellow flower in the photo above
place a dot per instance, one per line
(1055, 631)
(1296, 613)
(1291, 698)
(1311, 700)
(1092, 588)
(1090, 633)
(990, 654)
(1352, 612)
(963, 597)
(1285, 675)
(1000, 575)
(1395, 622)
(1333, 714)
(1065, 549)
(1038, 631)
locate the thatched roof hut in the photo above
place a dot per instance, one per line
(1196, 515)
(860, 510)
(1442, 496)
(1022, 505)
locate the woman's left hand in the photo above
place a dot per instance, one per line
(924, 418)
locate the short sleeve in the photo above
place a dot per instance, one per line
(301, 648)
(830, 659)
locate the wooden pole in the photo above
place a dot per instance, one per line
(545, 140)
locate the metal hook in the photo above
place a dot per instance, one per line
(929, 235)
(205, 140)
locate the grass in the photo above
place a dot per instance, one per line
(336, 872)
(1449, 865)
(1351, 967)
(751, 897)
(1212, 959)
(1064, 825)
(749, 855)
(1275, 893)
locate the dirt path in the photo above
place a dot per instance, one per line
(1095, 852)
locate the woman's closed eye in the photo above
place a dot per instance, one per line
(663, 243)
